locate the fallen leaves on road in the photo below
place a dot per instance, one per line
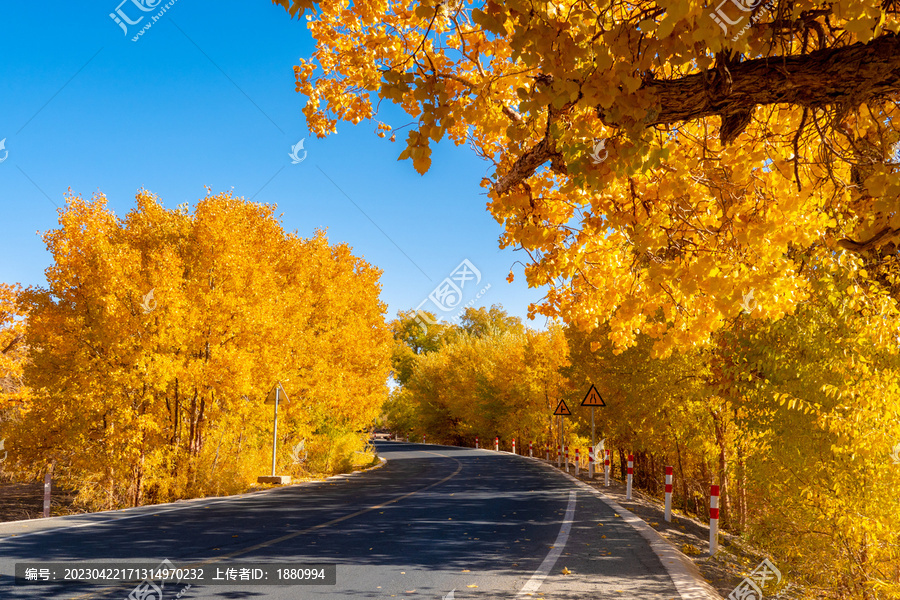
(566, 571)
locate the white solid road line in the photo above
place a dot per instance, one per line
(559, 545)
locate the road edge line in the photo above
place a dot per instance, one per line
(543, 571)
(685, 575)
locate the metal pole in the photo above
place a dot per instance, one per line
(593, 445)
(559, 445)
(565, 448)
(275, 431)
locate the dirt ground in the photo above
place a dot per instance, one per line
(19, 501)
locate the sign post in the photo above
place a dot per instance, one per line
(592, 399)
(275, 397)
(563, 411)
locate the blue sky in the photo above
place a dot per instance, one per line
(206, 97)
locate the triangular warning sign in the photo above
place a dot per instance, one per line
(282, 395)
(593, 398)
(562, 409)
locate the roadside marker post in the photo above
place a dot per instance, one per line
(566, 458)
(630, 475)
(530, 449)
(423, 439)
(591, 463)
(497, 444)
(476, 442)
(514, 445)
(558, 456)
(606, 467)
(668, 493)
(47, 480)
(577, 463)
(713, 519)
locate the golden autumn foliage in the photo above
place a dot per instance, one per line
(657, 160)
(710, 192)
(487, 376)
(158, 336)
(795, 420)
(12, 348)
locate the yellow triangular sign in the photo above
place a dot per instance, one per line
(562, 409)
(593, 398)
(282, 395)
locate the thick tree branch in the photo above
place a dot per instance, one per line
(528, 163)
(884, 236)
(848, 75)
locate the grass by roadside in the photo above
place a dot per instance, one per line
(23, 501)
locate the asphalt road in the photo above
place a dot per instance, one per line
(432, 520)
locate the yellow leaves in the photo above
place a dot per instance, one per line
(179, 388)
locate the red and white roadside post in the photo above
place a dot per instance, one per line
(629, 476)
(566, 458)
(577, 463)
(558, 456)
(530, 449)
(713, 519)
(497, 444)
(590, 463)
(476, 442)
(668, 493)
(514, 445)
(606, 468)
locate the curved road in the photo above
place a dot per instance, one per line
(433, 520)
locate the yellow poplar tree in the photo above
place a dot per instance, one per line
(159, 335)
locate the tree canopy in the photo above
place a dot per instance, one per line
(149, 354)
(659, 161)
